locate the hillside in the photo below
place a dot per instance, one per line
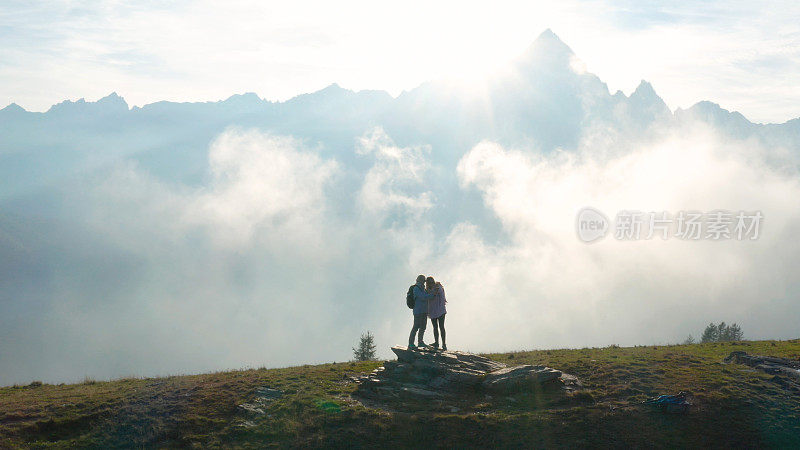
(733, 405)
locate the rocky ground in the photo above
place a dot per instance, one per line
(752, 404)
(449, 380)
(786, 371)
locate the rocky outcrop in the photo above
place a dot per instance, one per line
(262, 398)
(511, 379)
(432, 374)
(769, 364)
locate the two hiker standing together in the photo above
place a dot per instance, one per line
(427, 299)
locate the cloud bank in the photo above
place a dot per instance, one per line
(554, 290)
(285, 254)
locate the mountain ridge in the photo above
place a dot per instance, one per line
(543, 102)
(547, 50)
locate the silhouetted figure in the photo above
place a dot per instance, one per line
(421, 298)
(437, 310)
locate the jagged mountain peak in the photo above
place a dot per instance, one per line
(713, 112)
(13, 108)
(647, 103)
(66, 104)
(111, 103)
(645, 89)
(113, 99)
(548, 47)
(550, 39)
(333, 88)
(246, 98)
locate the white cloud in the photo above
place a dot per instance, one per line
(397, 172)
(285, 255)
(554, 291)
(266, 263)
(265, 184)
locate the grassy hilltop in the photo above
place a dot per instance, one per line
(734, 405)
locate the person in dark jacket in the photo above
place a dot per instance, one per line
(421, 298)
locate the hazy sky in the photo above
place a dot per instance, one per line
(183, 239)
(743, 55)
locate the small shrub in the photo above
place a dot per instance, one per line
(366, 348)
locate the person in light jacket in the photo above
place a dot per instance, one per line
(437, 311)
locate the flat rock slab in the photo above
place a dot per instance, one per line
(251, 409)
(263, 396)
(769, 364)
(426, 374)
(446, 358)
(513, 379)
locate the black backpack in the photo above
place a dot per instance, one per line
(410, 297)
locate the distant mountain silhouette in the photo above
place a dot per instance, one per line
(540, 103)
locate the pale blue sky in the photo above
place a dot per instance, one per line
(743, 55)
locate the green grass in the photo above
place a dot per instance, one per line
(734, 406)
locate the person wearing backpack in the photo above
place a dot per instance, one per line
(419, 298)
